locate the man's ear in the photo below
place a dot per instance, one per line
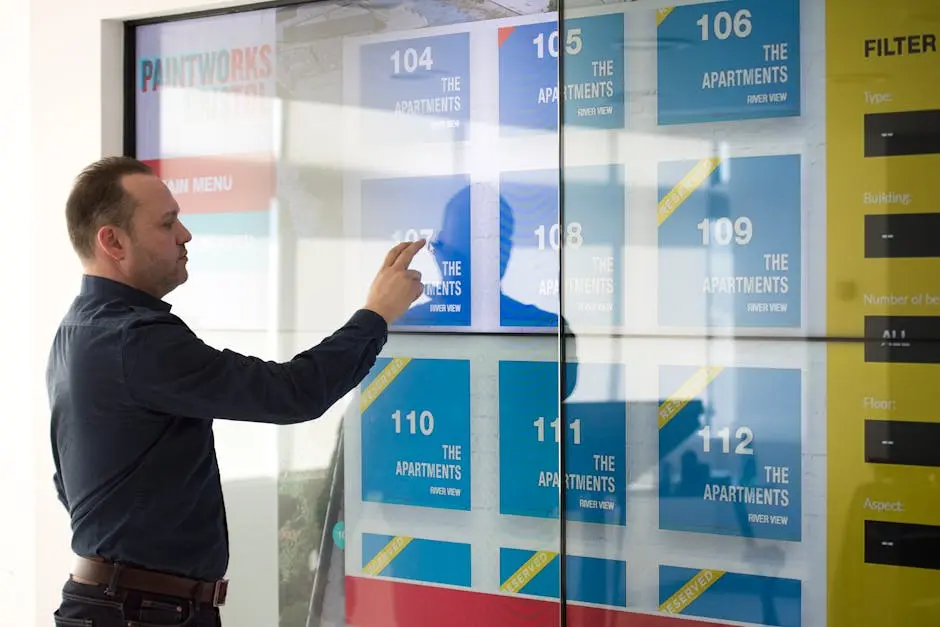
(111, 241)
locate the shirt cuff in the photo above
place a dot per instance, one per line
(370, 321)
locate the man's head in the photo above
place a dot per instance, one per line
(124, 224)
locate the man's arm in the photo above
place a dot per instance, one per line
(168, 369)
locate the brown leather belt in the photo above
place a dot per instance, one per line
(119, 576)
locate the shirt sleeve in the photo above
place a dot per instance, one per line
(169, 369)
(60, 490)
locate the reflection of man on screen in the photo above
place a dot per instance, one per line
(511, 311)
(448, 249)
(521, 314)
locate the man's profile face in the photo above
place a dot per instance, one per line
(156, 250)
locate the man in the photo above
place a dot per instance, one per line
(133, 393)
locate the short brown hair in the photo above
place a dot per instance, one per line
(98, 198)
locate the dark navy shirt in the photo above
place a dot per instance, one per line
(133, 393)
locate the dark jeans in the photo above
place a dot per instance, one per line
(89, 606)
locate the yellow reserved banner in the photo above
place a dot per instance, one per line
(662, 14)
(384, 557)
(684, 188)
(527, 572)
(693, 589)
(382, 381)
(692, 387)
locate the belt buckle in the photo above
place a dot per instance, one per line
(219, 592)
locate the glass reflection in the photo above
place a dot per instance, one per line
(720, 203)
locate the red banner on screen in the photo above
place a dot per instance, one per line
(219, 183)
(380, 603)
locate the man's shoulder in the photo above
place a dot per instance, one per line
(143, 317)
(90, 327)
(115, 314)
(106, 336)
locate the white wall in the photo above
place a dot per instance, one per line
(61, 64)
(18, 514)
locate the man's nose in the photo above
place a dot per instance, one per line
(185, 236)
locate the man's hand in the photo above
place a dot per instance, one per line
(396, 286)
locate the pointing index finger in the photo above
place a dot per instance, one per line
(392, 254)
(405, 257)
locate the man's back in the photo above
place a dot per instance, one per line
(141, 487)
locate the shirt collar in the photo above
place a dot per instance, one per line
(111, 289)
